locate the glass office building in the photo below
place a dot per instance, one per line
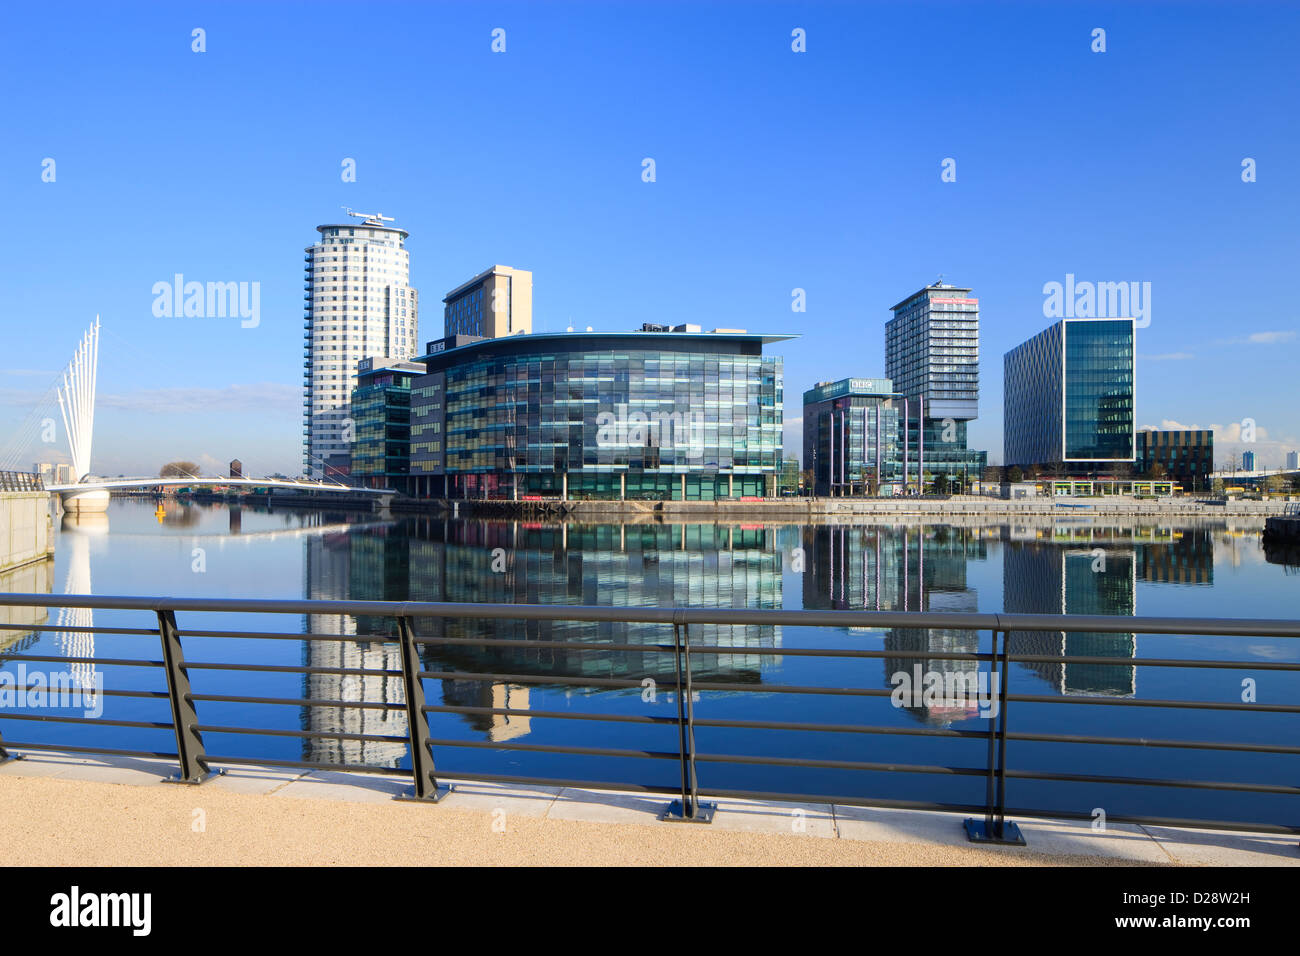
(1068, 400)
(851, 437)
(640, 415)
(381, 423)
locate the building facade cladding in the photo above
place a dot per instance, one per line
(851, 436)
(495, 303)
(381, 418)
(1069, 396)
(601, 415)
(359, 303)
(1186, 455)
(932, 351)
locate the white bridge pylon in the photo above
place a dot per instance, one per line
(77, 404)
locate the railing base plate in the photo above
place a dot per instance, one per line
(10, 757)
(703, 813)
(408, 796)
(977, 831)
(201, 778)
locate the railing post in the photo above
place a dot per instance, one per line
(688, 809)
(6, 756)
(995, 828)
(185, 720)
(426, 788)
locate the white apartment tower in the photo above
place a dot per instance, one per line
(360, 304)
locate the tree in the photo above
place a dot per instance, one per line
(1275, 484)
(941, 484)
(1014, 474)
(1157, 471)
(1218, 486)
(179, 469)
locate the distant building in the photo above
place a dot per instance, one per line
(54, 473)
(236, 469)
(495, 303)
(1187, 456)
(1068, 397)
(789, 480)
(1292, 460)
(1247, 461)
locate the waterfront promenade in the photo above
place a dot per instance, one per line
(63, 810)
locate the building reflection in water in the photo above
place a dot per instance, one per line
(903, 568)
(1049, 567)
(512, 562)
(327, 565)
(1049, 578)
(1085, 567)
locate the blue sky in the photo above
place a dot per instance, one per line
(775, 170)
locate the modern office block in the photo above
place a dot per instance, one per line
(1068, 400)
(851, 438)
(359, 304)
(495, 303)
(1186, 456)
(381, 421)
(1247, 461)
(680, 415)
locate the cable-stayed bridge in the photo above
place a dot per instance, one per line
(76, 400)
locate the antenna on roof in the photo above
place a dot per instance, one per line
(377, 218)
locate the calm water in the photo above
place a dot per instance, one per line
(1178, 567)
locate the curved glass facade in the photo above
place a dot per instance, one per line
(608, 416)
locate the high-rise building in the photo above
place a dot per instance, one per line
(1068, 397)
(932, 357)
(1247, 461)
(1292, 460)
(495, 303)
(359, 304)
(932, 351)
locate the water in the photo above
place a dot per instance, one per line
(1176, 567)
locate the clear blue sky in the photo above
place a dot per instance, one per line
(775, 170)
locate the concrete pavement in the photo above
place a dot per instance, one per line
(62, 810)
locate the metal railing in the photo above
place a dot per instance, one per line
(21, 481)
(989, 825)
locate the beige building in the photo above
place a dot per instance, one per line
(495, 303)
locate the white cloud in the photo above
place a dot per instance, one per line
(1261, 338)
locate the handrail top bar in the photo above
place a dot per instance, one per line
(1108, 624)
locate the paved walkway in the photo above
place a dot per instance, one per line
(62, 811)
